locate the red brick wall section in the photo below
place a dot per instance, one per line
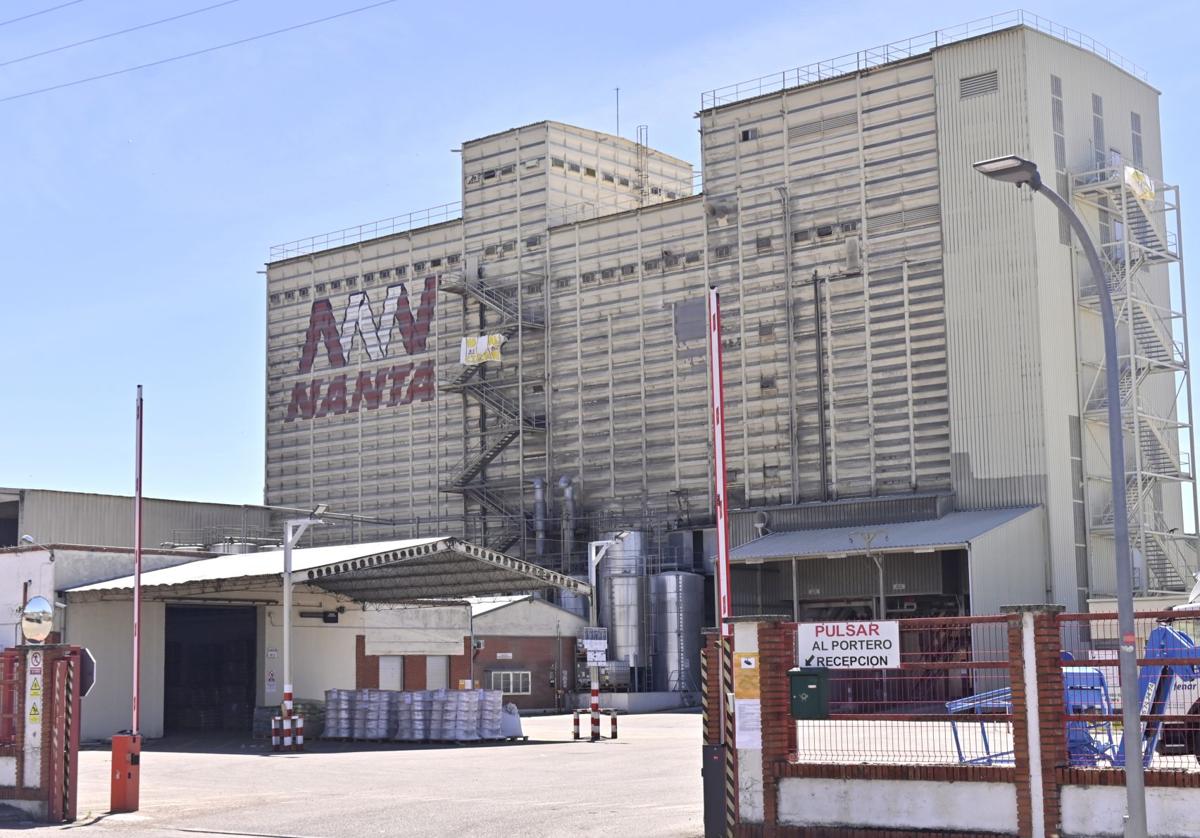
(414, 672)
(366, 667)
(1051, 724)
(1020, 724)
(776, 655)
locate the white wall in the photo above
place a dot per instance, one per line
(1093, 811)
(1007, 565)
(899, 804)
(532, 618)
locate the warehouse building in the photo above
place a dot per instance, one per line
(904, 341)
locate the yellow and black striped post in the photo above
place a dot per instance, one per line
(727, 730)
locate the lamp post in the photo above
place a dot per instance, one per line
(293, 529)
(1020, 172)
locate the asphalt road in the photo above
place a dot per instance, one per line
(647, 783)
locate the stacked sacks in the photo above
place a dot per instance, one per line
(491, 707)
(339, 714)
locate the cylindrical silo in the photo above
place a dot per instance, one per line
(624, 605)
(677, 602)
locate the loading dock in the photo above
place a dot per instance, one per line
(209, 664)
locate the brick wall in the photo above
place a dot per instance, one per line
(539, 656)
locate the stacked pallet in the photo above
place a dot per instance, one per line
(414, 716)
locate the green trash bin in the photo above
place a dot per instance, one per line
(809, 692)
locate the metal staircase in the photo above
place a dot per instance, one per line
(1138, 238)
(501, 419)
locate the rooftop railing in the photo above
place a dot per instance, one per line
(907, 48)
(370, 230)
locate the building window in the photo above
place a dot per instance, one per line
(508, 247)
(762, 244)
(1058, 124)
(825, 230)
(511, 683)
(608, 273)
(693, 257)
(589, 171)
(749, 134)
(654, 190)
(351, 282)
(274, 299)
(652, 264)
(670, 260)
(623, 181)
(320, 287)
(850, 226)
(1098, 147)
(628, 270)
(383, 274)
(532, 242)
(489, 174)
(556, 162)
(1135, 125)
(723, 251)
(490, 250)
(303, 292)
(507, 170)
(978, 85)
(671, 195)
(418, 266)
(452, 259)
(335, 284)
(572, 167)
(402, 270)
(800, 236)
(588, 276)
(607, 177)
(291, 295)
(564, 282)
(435, 263)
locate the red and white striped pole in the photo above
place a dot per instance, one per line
(299, 738)
(613, 717)
(725, 603)
(595, 708)
(575, 725)
(276, 733)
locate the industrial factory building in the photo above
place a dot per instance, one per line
(913, 371)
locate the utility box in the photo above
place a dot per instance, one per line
(809, 692)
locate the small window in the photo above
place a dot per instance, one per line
(435, 263)
(693, 257)
(588, 276)
(671, 195)
(766, 329)
(303, 292)
(335, 284)
(452, 259)
(749, 134)
(274, 298)
(320, 288)
(628, 270)
(654, 190)
(351, 282)
(511, 683)
(418, 266)
(670, 260)
(534, 163)
(556, 162)
(762, 244)
(383, 274)
(608, 273)
(652, 264)
(623, 181)
(291, 295)
(508, 247)
(565, 282)
(849, 226)
(766, 382)
(489, 174)
(723, 251)
(800, 236)
(572, 167)
(490, 250)
(507, 170)
(607, 178)
(825, 230)
(402, 270)
(588, 171)
(532, 242)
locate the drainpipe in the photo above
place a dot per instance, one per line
(820, 335)
(568, 519)
(793, 442)
(539, 515)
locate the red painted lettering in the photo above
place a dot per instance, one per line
(421, 389)
(414, 331)
(304, 401)
(335, 398)
(322, 328)
(367, 391)
(398, 375)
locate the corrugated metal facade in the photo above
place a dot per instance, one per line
(107, 520)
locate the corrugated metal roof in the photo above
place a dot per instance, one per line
(385, 571)
(955, 529)
(486, 606)
(242, 565)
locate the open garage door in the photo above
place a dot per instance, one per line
(208, 669)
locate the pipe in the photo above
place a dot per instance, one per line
(819, 332)
(568, 518)
(539, 515)
(793, 441)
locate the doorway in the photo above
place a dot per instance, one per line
(208, 673)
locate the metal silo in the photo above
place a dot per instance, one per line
(677, 602)
(621, 578)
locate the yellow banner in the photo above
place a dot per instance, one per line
(477, 350)
(745, 675)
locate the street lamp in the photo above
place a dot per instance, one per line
(1020, 172)
(293, 529)
(597, 550)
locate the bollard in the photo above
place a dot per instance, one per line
(613, 716)
(287, 733)
(595, 712)
(276, 733)
(126, 773)
(575, 725)
(299, 739)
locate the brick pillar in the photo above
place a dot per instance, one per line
(777, 654)
(1038, 736)
(366, 667)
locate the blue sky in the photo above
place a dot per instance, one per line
(138, 209)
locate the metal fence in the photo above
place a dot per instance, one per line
(949, 703)
(1168, 687)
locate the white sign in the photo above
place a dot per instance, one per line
(874, 645)
(595, 645)
(747, 714)
(272, 685)
(504, 656)
(597, 656)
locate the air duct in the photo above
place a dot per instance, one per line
(539, 515)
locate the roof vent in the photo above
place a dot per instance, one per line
(978, 85)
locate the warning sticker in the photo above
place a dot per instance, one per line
(35, 688)
(35, 714)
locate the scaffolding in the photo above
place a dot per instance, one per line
(1138, 229)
